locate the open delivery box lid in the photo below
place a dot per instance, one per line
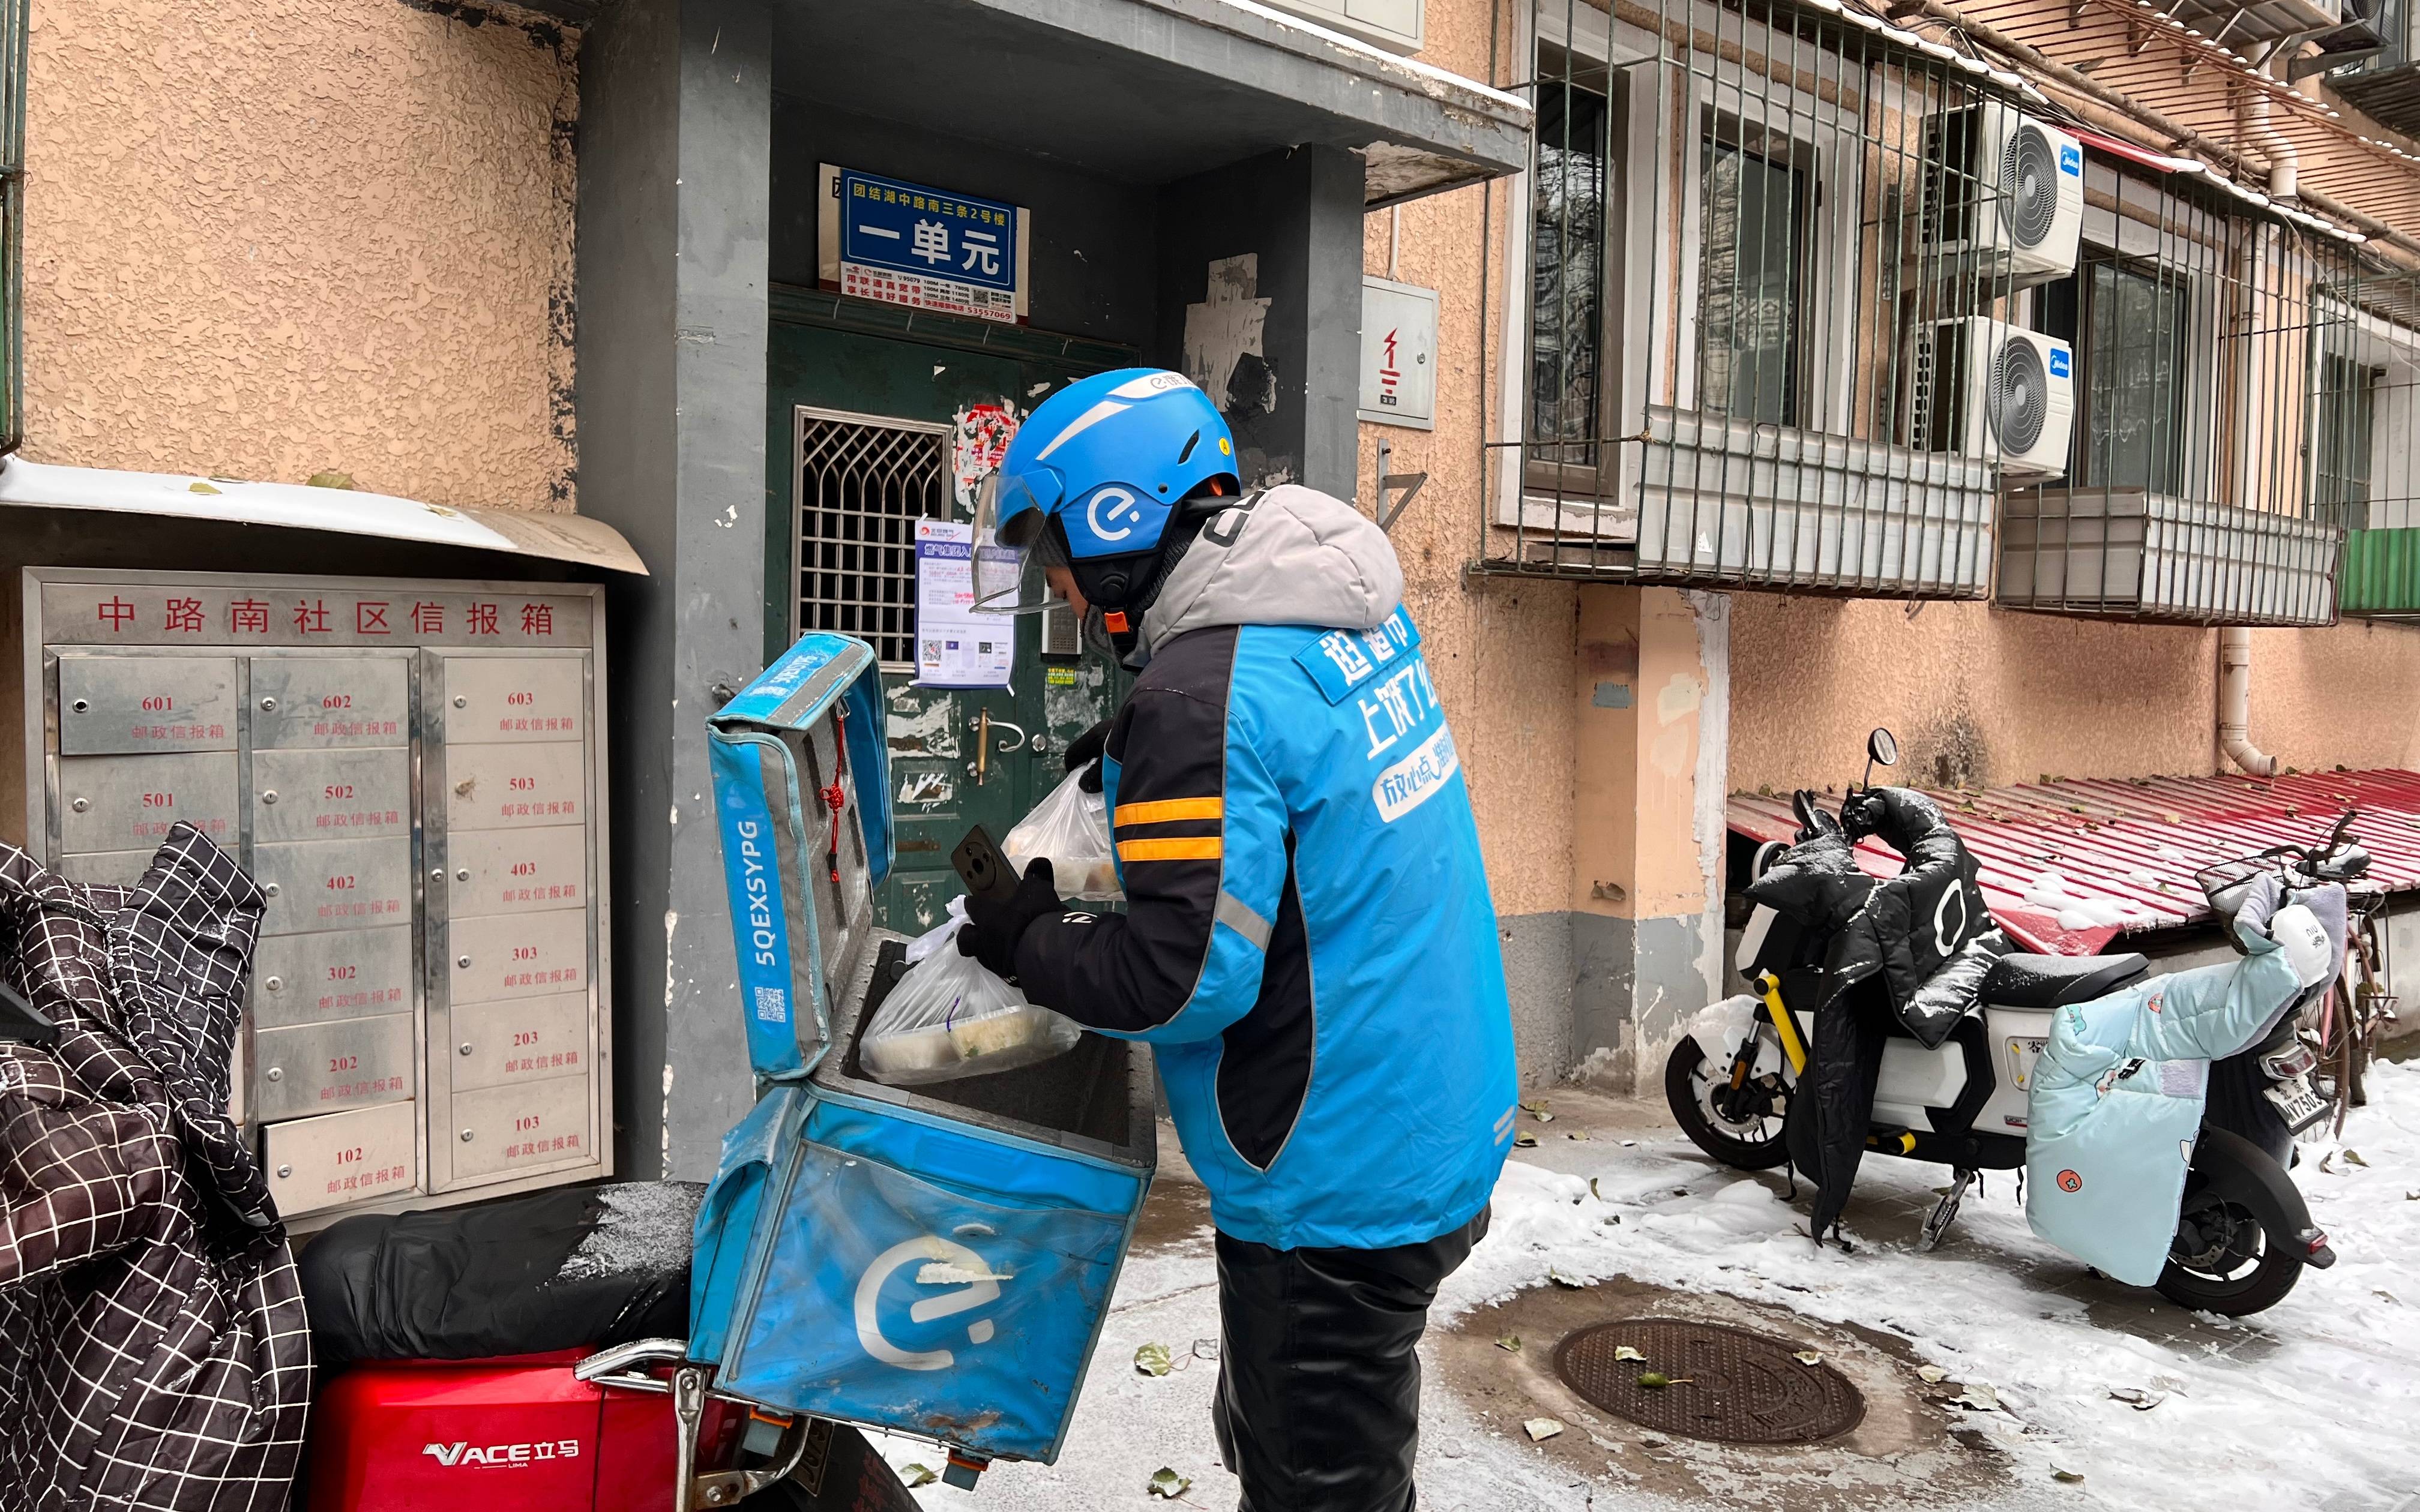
(934, 1261)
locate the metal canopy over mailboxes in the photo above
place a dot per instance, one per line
(410, 771)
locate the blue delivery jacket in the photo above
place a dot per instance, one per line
(1309, 943)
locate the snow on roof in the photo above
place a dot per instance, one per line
(2070, 865)
(299, 506)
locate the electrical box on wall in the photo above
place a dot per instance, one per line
(1393, 24)
(1399, 334)
(410, 771)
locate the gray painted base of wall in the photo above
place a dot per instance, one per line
(1538, 975)
(1601, 999)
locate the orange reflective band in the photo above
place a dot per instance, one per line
(1166, 810)
(1114, 621)
(1196, 848)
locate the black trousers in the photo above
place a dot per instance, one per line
(1319, 1386)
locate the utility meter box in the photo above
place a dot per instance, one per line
(935, 1260)
(412, 772)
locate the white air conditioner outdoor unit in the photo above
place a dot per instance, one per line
(2004, 197)
(1393, 24)
(1985, 389)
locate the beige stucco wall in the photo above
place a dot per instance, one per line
(1502, 650)
(1987, 696)
(271, 238)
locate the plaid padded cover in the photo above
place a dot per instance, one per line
(153, 1348)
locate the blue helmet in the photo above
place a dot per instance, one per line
(1098, 469)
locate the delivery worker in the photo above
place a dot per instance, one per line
(1308, 941)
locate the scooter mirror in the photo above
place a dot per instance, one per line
(1883, 747)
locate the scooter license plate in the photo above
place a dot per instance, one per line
(2297, 1104)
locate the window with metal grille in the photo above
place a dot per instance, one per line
(1747, 292)
(2127, 324)
(2341, 438)
(863, 483)
(1567, 242)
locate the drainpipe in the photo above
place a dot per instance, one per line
(2235, 641)
(2235, 702)
(2285, 166)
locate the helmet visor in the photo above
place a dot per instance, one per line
(1013, 557)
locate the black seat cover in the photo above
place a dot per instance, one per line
(576, 1268)
(2048, 981)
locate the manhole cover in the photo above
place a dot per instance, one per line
(1726, 1384)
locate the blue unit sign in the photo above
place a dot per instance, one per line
(906, 243)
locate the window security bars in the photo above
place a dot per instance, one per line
(1772, 255)
(2216, 447)
(861, 485)
(2365, 441)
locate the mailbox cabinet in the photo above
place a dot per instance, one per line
(410, 770)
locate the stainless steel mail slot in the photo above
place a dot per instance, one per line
(493, 699)
(517, 955)
(412, 771)
(341, 884)
(325, 1067)
(127, 803)
(330, 700)
(518, 1126)
(108, 869)
(330, 974)
(530, 1040)
(110, 705)
(505, 787)
(343, 1158)
(516, 870)
(330, 794)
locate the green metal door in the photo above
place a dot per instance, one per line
(867, 433)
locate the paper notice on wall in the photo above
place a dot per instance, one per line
(955, 646)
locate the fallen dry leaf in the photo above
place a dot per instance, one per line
(1166, 1484)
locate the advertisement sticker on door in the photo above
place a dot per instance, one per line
(955, 646)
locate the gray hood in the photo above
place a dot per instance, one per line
(1295, 557)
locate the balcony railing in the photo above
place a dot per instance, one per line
(2208, 454)
(1768, 246)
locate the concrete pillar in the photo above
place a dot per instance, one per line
(1261, 304)
(1651, 753)
(675, 215)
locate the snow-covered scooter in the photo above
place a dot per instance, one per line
(1955, 1094)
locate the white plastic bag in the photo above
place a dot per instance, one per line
(1071, 826)
(949, 1017)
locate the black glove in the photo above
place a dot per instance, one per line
(1084, 754)
(992, 928)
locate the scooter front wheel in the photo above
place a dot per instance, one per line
(1744, 1138)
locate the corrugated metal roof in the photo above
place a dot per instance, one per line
(2070, 865)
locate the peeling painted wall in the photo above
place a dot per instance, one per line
(1987, 696)
(1502, 650)
(271, 238)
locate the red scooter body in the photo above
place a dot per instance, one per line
(519, 1434)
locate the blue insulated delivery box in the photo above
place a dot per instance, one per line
(937, 1260)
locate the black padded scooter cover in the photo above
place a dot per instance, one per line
(576, 1268)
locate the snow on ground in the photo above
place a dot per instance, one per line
(2314, 1405)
